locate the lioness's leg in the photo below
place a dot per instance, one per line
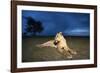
(72, 51)
(67, 53)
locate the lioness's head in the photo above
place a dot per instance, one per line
(58, 38)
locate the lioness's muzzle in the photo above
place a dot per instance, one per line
(56, 42)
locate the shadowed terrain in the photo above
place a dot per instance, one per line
(31, 53)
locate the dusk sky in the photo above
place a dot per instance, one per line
(71, 24)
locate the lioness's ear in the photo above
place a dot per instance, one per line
(60, 32)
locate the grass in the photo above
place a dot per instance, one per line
(31, 53)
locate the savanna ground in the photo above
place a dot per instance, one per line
(31, 53)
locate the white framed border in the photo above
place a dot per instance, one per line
(52, 63)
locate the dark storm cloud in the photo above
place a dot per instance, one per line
(53, 22)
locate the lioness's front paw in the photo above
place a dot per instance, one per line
(69, 57)
(74, 52)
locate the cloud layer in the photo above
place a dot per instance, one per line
(74, 24)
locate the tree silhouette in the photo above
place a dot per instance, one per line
(33, 26)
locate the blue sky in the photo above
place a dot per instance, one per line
(71, 24)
